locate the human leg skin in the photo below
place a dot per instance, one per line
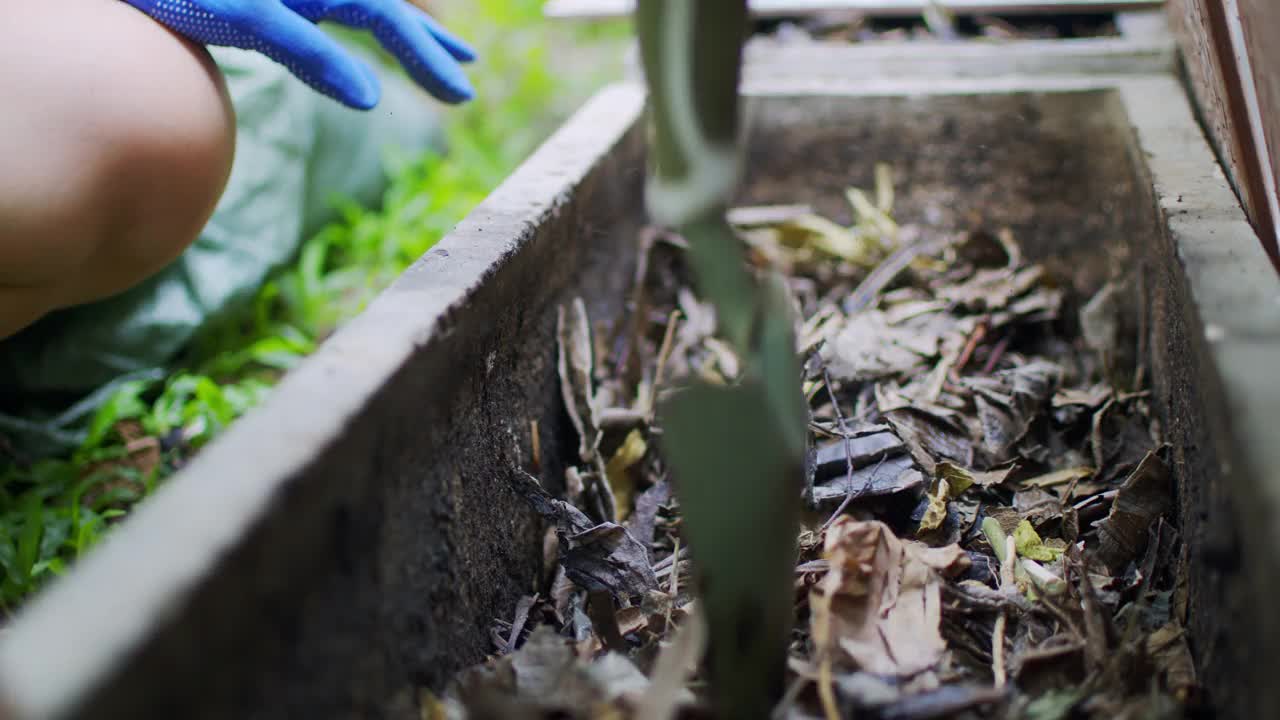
(115, 144)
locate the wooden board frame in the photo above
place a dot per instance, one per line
(1232, 64)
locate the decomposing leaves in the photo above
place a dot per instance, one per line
(1145, 495)
(545, 678)
(868, 348)
(932, 438)
(1009, 401)
(988, 518)
(602, 556)
(575, 363)
(879, 606)
(1168, 649)
(1065, 476)
(961, 478)
(936, 510)
(607, 557)
(890, 476)
(643, 521)
(860, 448)
(1030, 545)
(631, 451)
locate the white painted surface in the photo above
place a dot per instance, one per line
(599, 9)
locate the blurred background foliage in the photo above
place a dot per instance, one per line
(531, 75)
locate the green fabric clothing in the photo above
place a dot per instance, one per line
(295, 151)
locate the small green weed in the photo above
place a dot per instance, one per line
(54, 512)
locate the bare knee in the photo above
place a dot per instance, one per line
(115, 152)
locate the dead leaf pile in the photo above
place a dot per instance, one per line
(988, 496)
(935, 23)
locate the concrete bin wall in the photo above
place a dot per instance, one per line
(352, 539)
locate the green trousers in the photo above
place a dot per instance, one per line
(296, 150)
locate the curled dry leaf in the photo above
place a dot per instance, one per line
(961, 478)
(643, 521)
(598, 557)
(749, 216)
(1100, 320)
(1009, 401)
(862, 447)
(931, 438)
(1168, 649)
(867, 348)
(992, 289)
(879, 606)
(1058, 477)
(1145, 495)
(544, 678)
(1092, 397)
(573, 330)
(607, 557)
(890, 476)
(676, 660)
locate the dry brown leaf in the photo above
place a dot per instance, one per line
(990, 290)
(766, 215)
(866, 347)
(1058, 477)
(931, 438)
(962, 478)
(1100, 320)
(1168, 649)
(1009, 401)
(1092, 397)
(546, 674)
(643, 520)
(676, 660)
(879, 606)
(887, 477)
(899, 313)
(598, 557)
(949, 560)
(573, 331)
(1145, 495)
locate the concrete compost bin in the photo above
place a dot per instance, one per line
(353, 539)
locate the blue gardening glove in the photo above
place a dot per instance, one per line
(285, 31)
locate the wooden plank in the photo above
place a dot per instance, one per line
(1222, 97)
(1259, 21)
(606, 9)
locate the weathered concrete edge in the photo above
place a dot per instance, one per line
(767, 60)
(963, 59)
(83, 630)
(1230, 303)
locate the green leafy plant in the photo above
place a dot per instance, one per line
(55, 511)
(736, 451)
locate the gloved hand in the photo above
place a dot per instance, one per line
(285, 31)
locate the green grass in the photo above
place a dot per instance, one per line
(528, 79)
